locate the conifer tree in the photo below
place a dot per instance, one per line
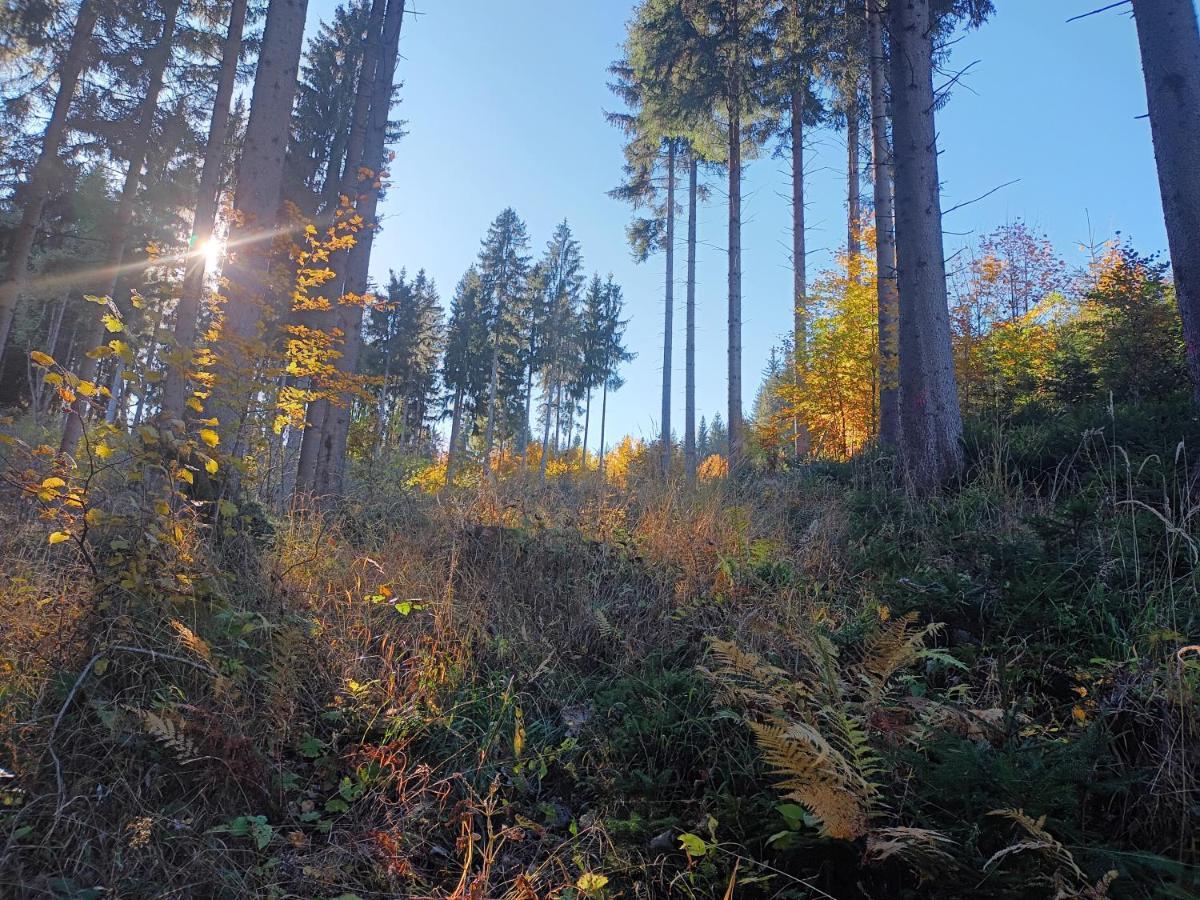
(651, 148)
(707, 60)
(930, 418)
(256, 204)
(157, 58)
(369, 181)
(885, 233)
(560, 359)
(405, 337)
(1170, 46)
(799, 32)
(187, 313)
(466, 363)
(503, 275)
(35, 192)
(614, 353)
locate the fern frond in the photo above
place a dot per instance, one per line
(894, 647)
(925, 850)
(1041, 842)
(816, 775)
(168, 732)
(192, 641)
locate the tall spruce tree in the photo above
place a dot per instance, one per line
(698, 59)
(1169, 39)
(930, 418)
(187, 312)
(560, 361)
(256, 205)
(44, 173)
(614, 352)
(156, 59)
(503, 275)
(405, 337)
(466, 364)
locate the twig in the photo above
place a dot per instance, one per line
(981, 196)
(62, 712)
(1096, 12)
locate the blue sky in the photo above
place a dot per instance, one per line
(504, 107)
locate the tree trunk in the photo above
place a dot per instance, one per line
(736, 441)
(527, 437)
(56, 320)
(931, 423)
(118, 229)
(603, 422)
(41, 180)
(455, 428)
(669, 311)
(490, 432)
(885, 237)
(799, 267)
(315, 449)
(310, 446)
(256, 204)
(587, 424)
(1170, 45)
(187, 313)
(689, 377)
(358, 266)
(384, 431)
(854, 190)
(549, 390)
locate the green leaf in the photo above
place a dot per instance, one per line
(693, 845)
(261, 831)
(311, 748)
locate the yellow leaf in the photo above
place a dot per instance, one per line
(162, 508)
(112, 323)
(94, 517)
(185, 475)
(103, 451)
(591, 881)
(92, 298)
(53, 483)
(58, 537)
(210, 466)
(210, 437)
(86, 388)
(195, 405)
(42, 359)
(54, 378)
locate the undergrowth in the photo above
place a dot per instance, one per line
(802, 685)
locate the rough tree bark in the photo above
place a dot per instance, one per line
(455, 426)
(799, 263)
(603, 422)
(931, 423)
(358, 265)
(187, 312)
(885, 236)
(736, 439)
(1170, 46)
(689, 376)
(313, 446)
(669, 312)
(118, 226)
(854, 189)
(256, 204)
(34, 193)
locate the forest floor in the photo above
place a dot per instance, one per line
(804, 684)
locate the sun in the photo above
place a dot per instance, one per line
(211, 251)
